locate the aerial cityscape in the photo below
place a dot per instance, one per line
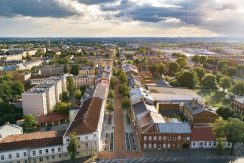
(121, 81)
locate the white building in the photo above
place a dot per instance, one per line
(10, 129)
(42, 98)
(139, 95)
(202, 137)
(28, 65)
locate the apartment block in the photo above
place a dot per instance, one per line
(87, 71)
(238, 105)
(42, 98)
(87, 80)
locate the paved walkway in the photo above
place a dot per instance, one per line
(119, 134)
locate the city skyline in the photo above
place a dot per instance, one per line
(121, 18)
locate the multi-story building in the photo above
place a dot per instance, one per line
(197, 114)
(157, 132)
(41, 99)
(87, 71)
(32, 147)
(238, 105)
(87, 80)
(51, 146)
(11, 57)
(28, 65)
(101, 62)
(52, 70)
(203, 137)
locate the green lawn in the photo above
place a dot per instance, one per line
(213, 98)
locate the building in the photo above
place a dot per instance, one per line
(238, 105)
(42, 98)
(28, 65)
(32, 147)
(11, 57)
(130, 69)
(133, 81)
(101, 62)
(10, 129)
(197, 114)
(52, 70)
(202, 137)
(51, 119)
(87, 80)
(22, 77)
(85, 70)
(157, 132)
(140, 94)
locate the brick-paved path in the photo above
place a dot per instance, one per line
(119, 133)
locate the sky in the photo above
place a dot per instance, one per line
(121, 18)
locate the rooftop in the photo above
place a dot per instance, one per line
(240, 100)
(202, 134)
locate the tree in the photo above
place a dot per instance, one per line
(29, 122)
(160, 69)
(225, 82)
(73, 146)
(220, 145)
(78, 94)
(125, 102)
(62, 108)
(238, 88)
(231, 71)
(17, 89)
(65, 96)
(112, 82)
(83, 89)
(234, 132)
(225, 112)
(122, 77)
(111, 94)
(70, 85)
(203, 59)
(187, 79)
(200, 73)
(209, 81)
(182, 62)
(67, 68)
(173, 67)
(124, 90)
(110, 106)
(196, 58)
(75, 69)
(221, 65)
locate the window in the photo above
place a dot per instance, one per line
(2, 157)
(173, 137)
(53, 157)
(10, 156)
(159, 137)
(59, 156)
(78, 138)
(40, 152)
(168, 137)
(214, 143)
(145, 145)
(40, 159)
(47, 158)
(46, 151)
(17, 155)
(193, 144)
(65, 155)
(150, 137)
(59, 149)
(179, 137)
(209, 143)
(67, 140)
(52, 150)
(164, 137)
(86, 145)
(25, 154)
(155, 137)
(145, 138)
(205, 143)
(34, 153)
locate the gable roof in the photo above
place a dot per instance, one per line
(86, 120)
(202, 134)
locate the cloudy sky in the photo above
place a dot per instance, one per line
(108, 18)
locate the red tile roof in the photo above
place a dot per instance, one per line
(202, 134)
(51, 118)
(31, 140)
(86, 120)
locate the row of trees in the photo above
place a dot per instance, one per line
(10, 90)
(230, 130)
